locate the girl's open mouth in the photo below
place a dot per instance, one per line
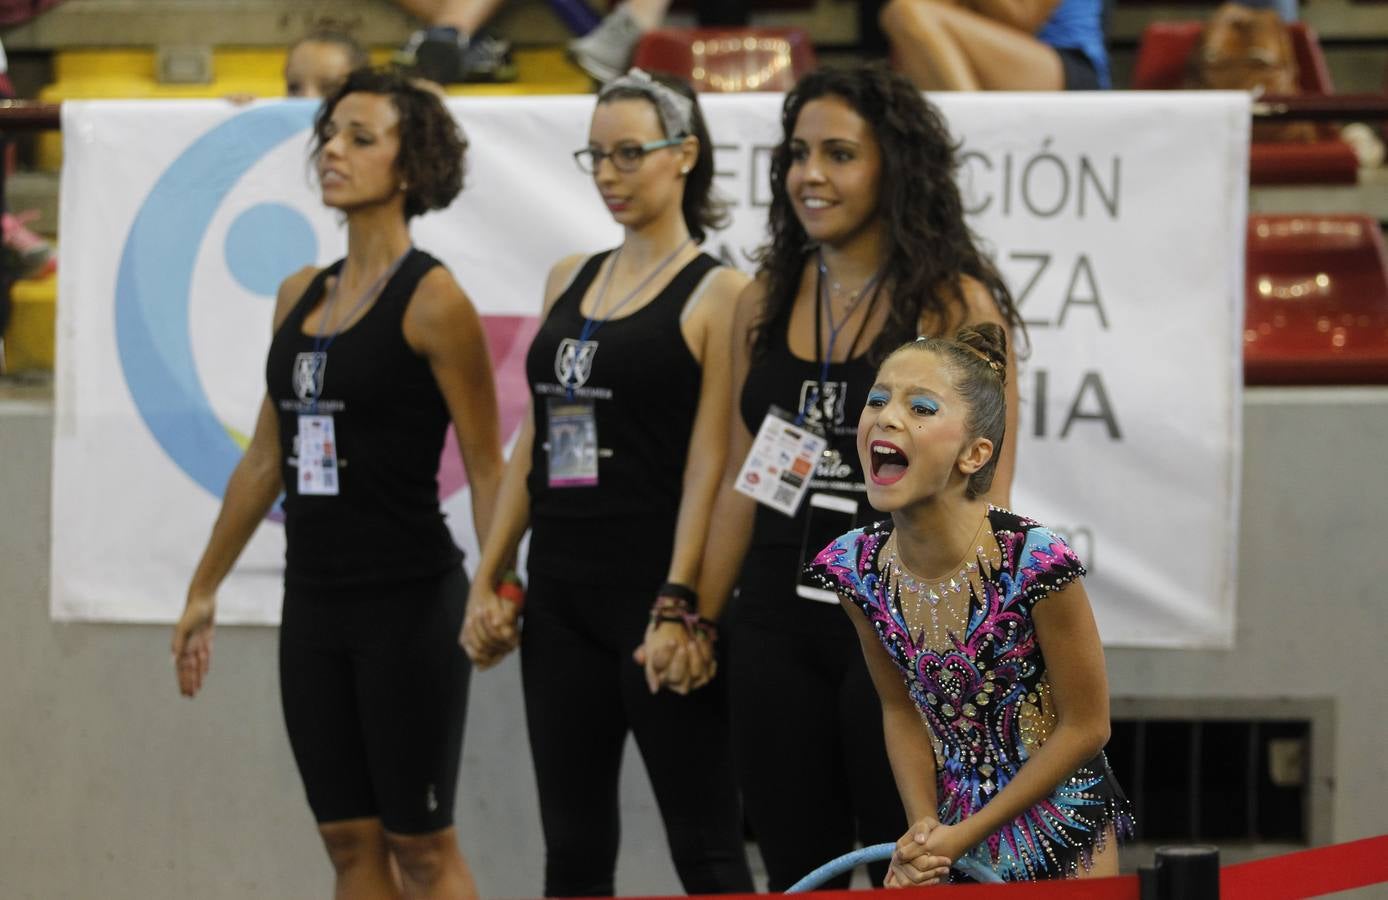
(888, 461)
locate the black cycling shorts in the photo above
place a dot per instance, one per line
(374, 687)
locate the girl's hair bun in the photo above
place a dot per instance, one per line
(988, 341)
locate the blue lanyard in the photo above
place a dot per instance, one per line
(323, 340)
(591, 324)
(823, 310)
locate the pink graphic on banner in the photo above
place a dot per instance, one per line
(508, 339)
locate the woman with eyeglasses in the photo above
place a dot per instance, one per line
(617, 465)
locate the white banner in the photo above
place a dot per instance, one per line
(1118, 220)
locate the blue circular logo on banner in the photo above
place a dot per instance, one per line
(264, 244)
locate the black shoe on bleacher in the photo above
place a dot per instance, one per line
(445, 55)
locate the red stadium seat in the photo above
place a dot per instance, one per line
(1162, 60)
(1166, 47)
(729, 59)
(1330, 161)
(1316, 294)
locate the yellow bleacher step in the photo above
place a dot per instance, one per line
(129, 75)
(29, 339)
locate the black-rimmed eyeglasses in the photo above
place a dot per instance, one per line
(626, 157)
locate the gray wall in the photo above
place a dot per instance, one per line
(112, 786)
(1312, 608)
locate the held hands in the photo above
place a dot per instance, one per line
(192, 643)
(676, 657)
(490, 626)
(918, 860)
(678, 649)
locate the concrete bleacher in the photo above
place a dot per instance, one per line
(113, 23)
(130, 73)
(1356, 32)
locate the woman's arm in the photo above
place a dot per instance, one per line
(250, 492)
(442, 325)
(730, 520)
(1069, 640)
(489, 628)
(708, 445)
(670, 653)
(912, 758)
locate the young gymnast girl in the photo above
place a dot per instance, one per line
(978, 636)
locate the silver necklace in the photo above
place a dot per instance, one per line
(931, 593)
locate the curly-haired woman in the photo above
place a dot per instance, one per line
(372, 358)
(868, 249)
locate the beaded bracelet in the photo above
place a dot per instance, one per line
(509, 587)
(668, 608)
(707, 629)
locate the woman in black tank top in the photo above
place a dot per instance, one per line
(868, 249)
(372, 358)
(614, 473)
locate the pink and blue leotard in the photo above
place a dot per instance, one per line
(983, 693)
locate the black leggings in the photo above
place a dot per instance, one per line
(583, 693)
(807, 729)
(374, 687)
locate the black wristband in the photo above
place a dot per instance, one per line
(681, 592)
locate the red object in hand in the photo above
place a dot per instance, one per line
(509, 590)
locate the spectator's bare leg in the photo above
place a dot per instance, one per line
(468, 16)
(923, 48)
(650, 13)
(941, 46)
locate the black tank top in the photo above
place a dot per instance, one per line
(643, 382)
(390, 422)
(780, 378)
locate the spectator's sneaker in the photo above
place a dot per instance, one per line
(436, 53)
(445, 55)
(605, 52)
(30, 254)
(488, 59)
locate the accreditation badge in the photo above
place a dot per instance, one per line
(317, 444)
(573, 443)
(778, 469)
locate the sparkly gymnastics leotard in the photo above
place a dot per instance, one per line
(975, 671)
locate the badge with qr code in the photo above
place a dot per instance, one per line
(778, 469)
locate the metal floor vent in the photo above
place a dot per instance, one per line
(1226, 772)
